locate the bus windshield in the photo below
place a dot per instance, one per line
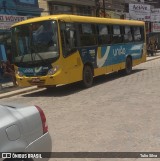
(35, 43)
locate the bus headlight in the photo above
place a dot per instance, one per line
(53, 70)
(20, 74)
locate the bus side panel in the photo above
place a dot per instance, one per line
(144, 56)
(70, 71)
(120, 52)
(107, 59)
(73, 67)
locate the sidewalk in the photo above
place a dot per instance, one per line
(154, 57)
(9, 90)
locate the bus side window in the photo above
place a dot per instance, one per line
(117, 36)
(68, 38)
(128, 34)
(87, 34)
(137, 34)
(142, 33)
(103, 35)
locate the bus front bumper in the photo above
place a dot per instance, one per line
(48, 80)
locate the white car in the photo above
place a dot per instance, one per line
(23, 129)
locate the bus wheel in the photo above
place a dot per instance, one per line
(128, 68)
(87, 76)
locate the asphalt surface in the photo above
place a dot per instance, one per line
(118, 114)
(8, 90)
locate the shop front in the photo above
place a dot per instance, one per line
(154, 35)
(11, 12)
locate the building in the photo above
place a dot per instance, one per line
(44, 5)
(78, 7)
(148, 11)
(12, 11)
(114, 5)
(154, 3)
(112, 8)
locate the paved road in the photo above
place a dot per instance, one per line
(119, 113)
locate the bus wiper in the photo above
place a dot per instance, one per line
(36, 53)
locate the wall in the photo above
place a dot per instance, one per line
(20, 7)
(48, 5)
(43, 4)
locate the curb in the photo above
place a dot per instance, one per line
(153, 58)
(20, 91)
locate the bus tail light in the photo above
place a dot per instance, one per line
(43, 119)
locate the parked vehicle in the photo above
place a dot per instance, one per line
(23, 129)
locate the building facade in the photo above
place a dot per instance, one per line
(111, 8)
(148, 11)
(77, 7)
(12, 11)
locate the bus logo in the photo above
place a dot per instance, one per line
(119, 51)
(101, 61)
(28, 70)
(38, 69)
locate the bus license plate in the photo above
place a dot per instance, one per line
(35, 80)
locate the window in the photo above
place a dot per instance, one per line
(142, 33)
(36, 42)
(68, 38)
(84, 10)
(128, 34)
(116, 30)
(137, 34)
(71, 35)
(103, 30)
(103, 35)
(59, 9)
(87, 34)
(87, 29)
(117, 36)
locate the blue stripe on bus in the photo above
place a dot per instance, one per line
(110, 55)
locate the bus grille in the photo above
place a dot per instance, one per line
(36, 74)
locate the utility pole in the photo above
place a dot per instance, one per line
(104, 8)
(97, 6)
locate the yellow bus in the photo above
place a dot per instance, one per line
(62, 49)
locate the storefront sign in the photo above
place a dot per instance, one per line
(155, 27)
(155, 15)
(6, 21)
(140, 12)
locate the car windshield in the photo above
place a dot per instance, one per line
(35, 42)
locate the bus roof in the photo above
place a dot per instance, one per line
(76, 18)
